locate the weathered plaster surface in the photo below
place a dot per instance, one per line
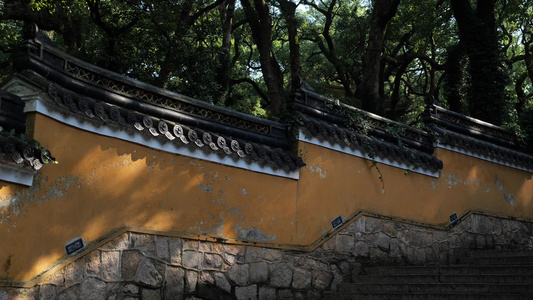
(102, 185)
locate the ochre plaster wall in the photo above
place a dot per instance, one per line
(103, 186)
(334, 184)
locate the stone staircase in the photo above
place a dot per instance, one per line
(498, 274)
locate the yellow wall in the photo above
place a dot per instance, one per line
(104, 185)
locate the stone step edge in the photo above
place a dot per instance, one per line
(438, 276)
(436, 284)
(426, 294)
(502, 253)
(437, 268)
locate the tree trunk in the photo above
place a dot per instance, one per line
(288, 9)
(260, 23)
(383, 12)
(223, 77)
(477, 30)
(454, 77)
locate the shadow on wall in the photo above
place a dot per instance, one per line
(102, 184)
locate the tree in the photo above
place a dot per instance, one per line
(382, 13)
(259, 19)
(479, 40)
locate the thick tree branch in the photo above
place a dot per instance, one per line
(256, 87)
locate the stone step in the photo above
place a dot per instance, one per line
(501, 253)
(435, 288)
(443, 278)
(519, 269)
(425, 296)
(500, 260)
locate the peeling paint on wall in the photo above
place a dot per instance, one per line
(254, 234)
(452, 179)
(318, 170)
(60, 187)
(508, 197)
(17, 203)
(236, 211)
(206, 188)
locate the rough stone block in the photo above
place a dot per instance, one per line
(148, 274)
(344, 243)
(329, 245)
(25, 293)
(143, 242)
(92, 288)
(190, 245)
(383, 242)
(46, 292)
(246, 292)
(92, 263)
(191, 280)
(373, 225)
(72, 292)
(217, 248)
(162, 248)
(121, 242)
(110, 265)
(497, 226)
(280, 275)
(321, 280)
(403, 237)
(285, 294)
(175, 247)
(273, 255)
(337, 279)
(239, 274)
(192, 259)
(233, 250)
(222, 282)
(253, 254)
(267, 293)
(345, 267)
(151, 294)
(74, 273)
(129, 264)
(301, 279)
(419, 238)
(258, 272)
(130, 288)
(205, 247)
(4, 295)
(56, 278)
(229, 259)
(213, 261)
(360, 249)
(206, 278)
(395, 248)
(360, 225)
(431, 256)
(174, 282)
(420, 256)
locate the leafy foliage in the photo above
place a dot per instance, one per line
(212, 50)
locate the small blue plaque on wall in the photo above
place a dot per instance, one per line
(337, 222)
(74, 246)
(454, 218)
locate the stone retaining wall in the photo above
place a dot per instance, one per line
(144, 266)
